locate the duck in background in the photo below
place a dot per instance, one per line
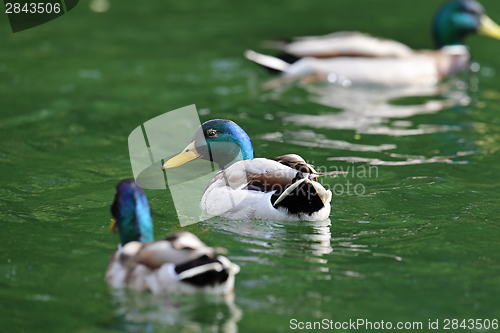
(180, 263)
(279, 189)
(356, 58)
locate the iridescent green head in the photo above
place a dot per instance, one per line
(457, 19)
(132, 214)
(219, 140)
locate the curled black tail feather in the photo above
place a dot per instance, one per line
(303, 200)
(285, 57)
(208, 278)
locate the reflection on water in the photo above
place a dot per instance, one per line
(312, 237)
(369, 111)
(143, 312)
(319, 254)
(298, 246)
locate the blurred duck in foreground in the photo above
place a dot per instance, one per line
(180, 263)
(280, 188)
(356, 58)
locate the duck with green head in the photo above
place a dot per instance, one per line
(365, 60)
(246, 188)
(180, 263)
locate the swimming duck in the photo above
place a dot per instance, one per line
(180, 263)
(244, 188)
(355, 58)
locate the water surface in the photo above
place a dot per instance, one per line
(420, 242)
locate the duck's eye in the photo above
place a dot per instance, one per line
(212, 133)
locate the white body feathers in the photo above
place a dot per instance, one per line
(225, 195)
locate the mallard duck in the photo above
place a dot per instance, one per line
(180, 263)
(245, 188)
(355, 58)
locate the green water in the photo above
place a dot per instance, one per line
(421, 243)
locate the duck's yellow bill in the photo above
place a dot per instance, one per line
(489, 28)
(114, 226)
(188, 154)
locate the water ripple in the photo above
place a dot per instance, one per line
(369, 111)
(308, 138)
(410, 160)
